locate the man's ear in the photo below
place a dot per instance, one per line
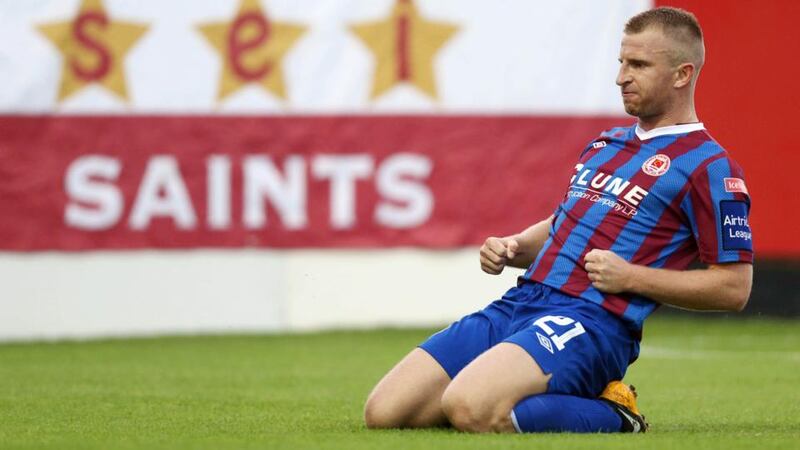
(684, 75)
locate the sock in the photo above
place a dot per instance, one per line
(555, 412)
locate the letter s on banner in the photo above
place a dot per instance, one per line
(102, 203)
(400, 179)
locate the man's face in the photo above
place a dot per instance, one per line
(646, 74)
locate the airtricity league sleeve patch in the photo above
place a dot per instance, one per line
(736, 234)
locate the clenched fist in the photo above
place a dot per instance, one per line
(496, 253)
(608, 271)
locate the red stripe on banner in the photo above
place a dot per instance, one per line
(83, 183)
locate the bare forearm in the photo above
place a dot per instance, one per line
(712, 289)
(518, 250)
(720, 287)
(531, 241)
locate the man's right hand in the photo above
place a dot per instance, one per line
(496, 253)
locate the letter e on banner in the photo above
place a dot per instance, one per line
(241, 40)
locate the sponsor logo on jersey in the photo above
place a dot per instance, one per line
(736, 234)
(614, 192)
(735, 185)
(600, 144)
(656, 165)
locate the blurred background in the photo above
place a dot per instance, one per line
(242, 165)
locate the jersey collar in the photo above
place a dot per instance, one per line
(672, 129)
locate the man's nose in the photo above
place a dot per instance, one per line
(623, 77)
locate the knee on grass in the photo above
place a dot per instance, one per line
(467, 415)
(379, 413)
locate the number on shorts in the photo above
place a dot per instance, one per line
(559, 339)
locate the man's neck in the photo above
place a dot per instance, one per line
(680, 110)
(666, 120)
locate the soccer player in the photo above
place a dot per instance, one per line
(643, 203)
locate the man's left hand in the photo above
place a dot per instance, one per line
(609, 273)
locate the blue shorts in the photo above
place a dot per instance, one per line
(581, 344)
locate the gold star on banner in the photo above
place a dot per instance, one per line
(252, 48)
(94, 48)
(404, 45)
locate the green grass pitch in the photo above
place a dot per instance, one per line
(727, 384)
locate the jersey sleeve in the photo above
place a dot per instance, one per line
(718, 208)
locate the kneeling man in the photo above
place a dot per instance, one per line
(644, 202)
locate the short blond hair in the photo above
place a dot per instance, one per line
(677, 24)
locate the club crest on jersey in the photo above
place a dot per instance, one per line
(656, 165)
